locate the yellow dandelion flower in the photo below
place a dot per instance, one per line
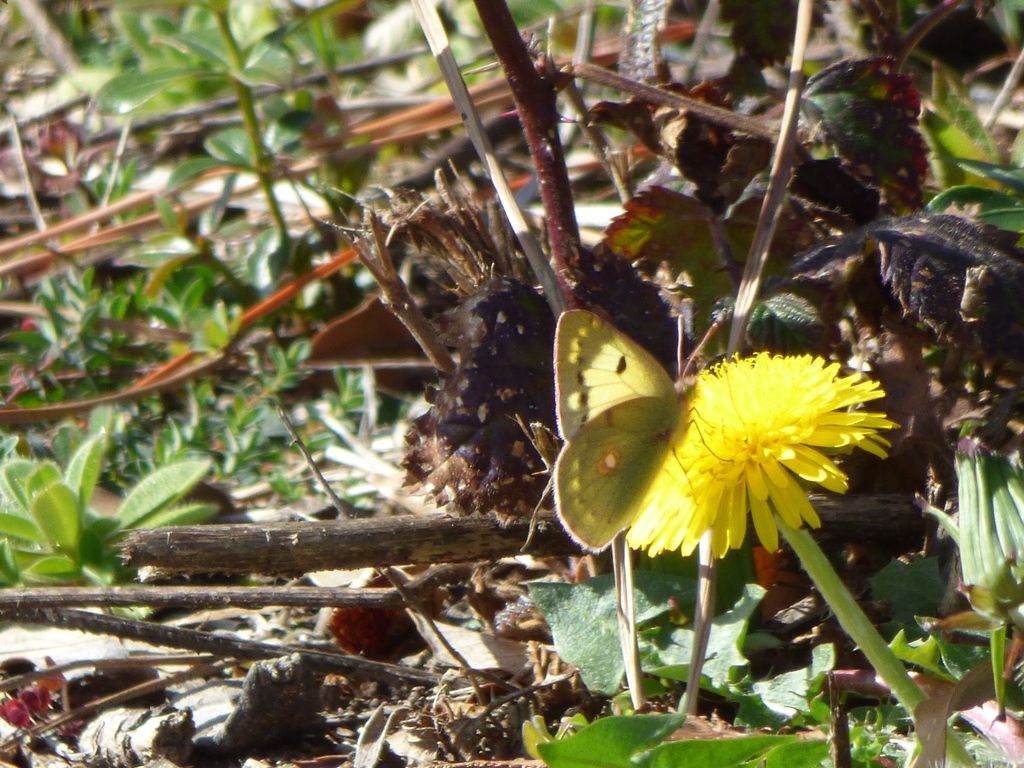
(757, 427)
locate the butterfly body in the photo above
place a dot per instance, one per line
(619, 414)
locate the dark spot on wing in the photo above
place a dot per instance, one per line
(621, 367)
(584, 400)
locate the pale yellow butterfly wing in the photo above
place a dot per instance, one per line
(598, 367)
(610, 469)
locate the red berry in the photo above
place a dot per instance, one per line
(16, 713)
(32, 698)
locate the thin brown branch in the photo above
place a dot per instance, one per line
(923, 26)
(375, 255)
(208, 642)
(136, 661)
(197, 597)
(19, 416)
(48, 35)
(534, 96)
(751, 126)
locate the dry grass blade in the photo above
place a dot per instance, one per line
(779, 179)
(438, 41)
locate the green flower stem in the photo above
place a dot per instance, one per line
(851, 617)
(247, 105)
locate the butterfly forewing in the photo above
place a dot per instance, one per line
(598, 367)
(607, 472)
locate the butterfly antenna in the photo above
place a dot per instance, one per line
(691, 361)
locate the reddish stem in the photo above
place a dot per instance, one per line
(534, 96)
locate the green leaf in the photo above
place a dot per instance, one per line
(188, 169)
(160, 488)
(783, 696)
(57, 513)
(231, 147)
(43, 475)
(165, 248)
(583, 623)
(988, 205)
(723, 753)
(100, 562)
(921, 653)
(953, 129)
(725, 645)
(852, 99)
(51, 569)
(1006, 175)
(611, 742)
(267, 260)
(83, 470)
(184, 514)
(267, 63)
(126, 93)
(10, 573)
(785, 323)
(913, 589)
(13, 480)
(960, 658)
(205, 44)
(659, 225)
(802, 753)
(19, 527)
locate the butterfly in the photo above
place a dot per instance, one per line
(619, 414)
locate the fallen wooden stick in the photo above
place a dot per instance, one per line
(295, 548)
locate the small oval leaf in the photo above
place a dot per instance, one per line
(159, 489)
(125, 93)
(83, 470)
(18, 527)
(57, 514)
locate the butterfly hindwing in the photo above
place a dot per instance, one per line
(598, 367)
(606, 472)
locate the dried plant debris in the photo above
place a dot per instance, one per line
(126, 738)
(869, 113)
(962, 280)
(720, 162)
(456, 233)
(470, 449)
